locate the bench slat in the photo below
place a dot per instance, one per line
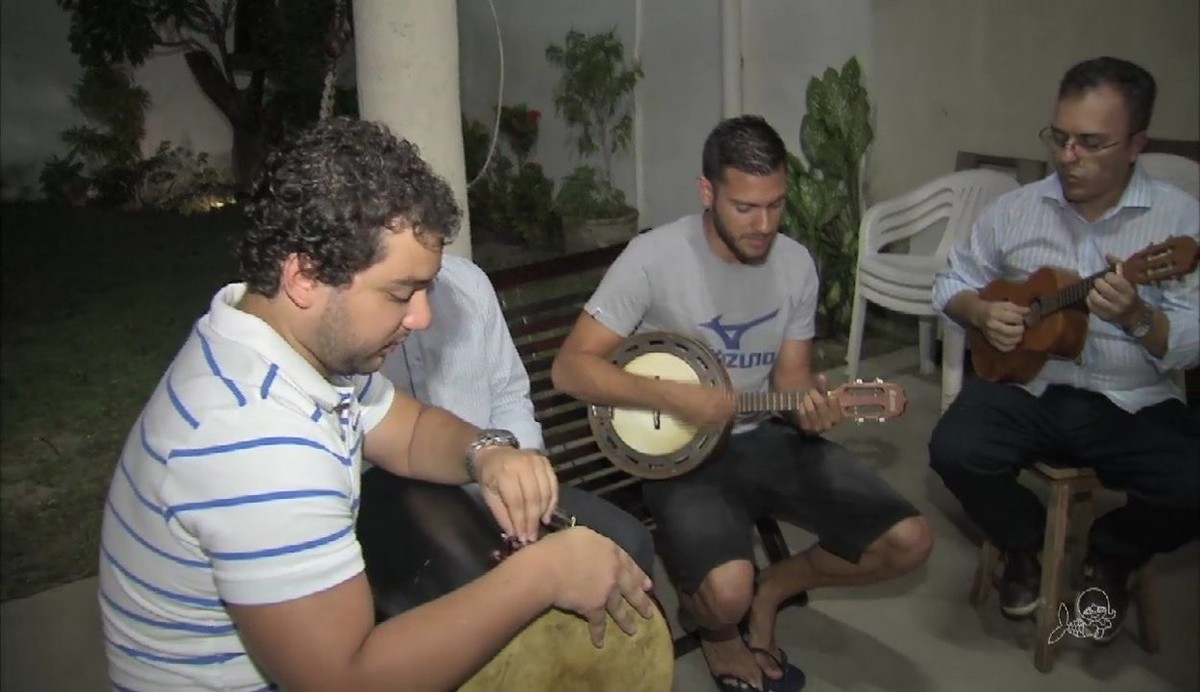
(515, 277)
(521, 316)
(541, 303)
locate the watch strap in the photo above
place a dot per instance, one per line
(1145, 321)
(487, 437)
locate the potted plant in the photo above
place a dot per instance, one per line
(824, 207)
(512, 201)
(594, 95)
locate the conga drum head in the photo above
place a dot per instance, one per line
(422, 540)
(555, 652)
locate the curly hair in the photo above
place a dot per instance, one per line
(747, 143)
(1136, 85)
(330, 194)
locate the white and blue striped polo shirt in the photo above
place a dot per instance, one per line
(238, 483)
(1034, 226)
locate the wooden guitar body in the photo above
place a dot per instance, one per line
(1057, 322)
(1060, 333)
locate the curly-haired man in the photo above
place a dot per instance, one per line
(229, 557)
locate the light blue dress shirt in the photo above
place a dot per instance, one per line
(466, 362)
(1035, 226)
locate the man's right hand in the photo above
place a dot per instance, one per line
(594, 577)
(700, 404)
(1001, 323)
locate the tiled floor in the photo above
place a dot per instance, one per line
(919, 633)
(914, 634)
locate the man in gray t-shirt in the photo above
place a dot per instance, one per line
(728, 278)
(670, 280)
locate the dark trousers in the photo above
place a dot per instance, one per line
(994, 430)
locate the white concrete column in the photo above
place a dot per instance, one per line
(639, 177)
(406, 53)
(731, 58)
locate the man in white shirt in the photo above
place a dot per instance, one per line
(1116, 408)
(228, 556)
(466, 362)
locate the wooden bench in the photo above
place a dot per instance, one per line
(541, 302)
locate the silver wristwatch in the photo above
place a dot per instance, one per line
(488, 437)
(1144, 323)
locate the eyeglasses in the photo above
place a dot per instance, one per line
(1084, 145)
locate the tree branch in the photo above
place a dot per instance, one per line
(221, 91)
(254, 93)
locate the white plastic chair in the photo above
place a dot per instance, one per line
(1182, 172)
(932, 218)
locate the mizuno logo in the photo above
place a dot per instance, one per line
(731, 334)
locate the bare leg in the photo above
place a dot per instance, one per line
(898, 551)
(719, 604)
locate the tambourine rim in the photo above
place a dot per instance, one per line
(661, 466)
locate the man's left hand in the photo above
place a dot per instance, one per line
(1113, 299)
(519, 487)
(819, 412)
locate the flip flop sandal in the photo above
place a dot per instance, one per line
(792, 680)
(728, 682)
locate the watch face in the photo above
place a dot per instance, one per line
(494, 436)
(1144, 322)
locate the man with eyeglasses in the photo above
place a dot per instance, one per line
(1116, 409)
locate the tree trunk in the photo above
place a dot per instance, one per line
(242, 107)
(249, 153)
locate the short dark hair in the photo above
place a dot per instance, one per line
(331, 193)
(747, 143)
(1136, 85)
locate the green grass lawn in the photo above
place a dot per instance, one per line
(95, 304)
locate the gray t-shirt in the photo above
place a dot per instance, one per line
(668, 279)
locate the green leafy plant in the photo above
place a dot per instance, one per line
(63, 182)
(594, 95)
(519, 125)
(179, 179)
(587, 195)
(824, 206)
(109, 146)
(512, 201)
(105, 164)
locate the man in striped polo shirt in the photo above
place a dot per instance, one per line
(228, 557)
(1117, 409)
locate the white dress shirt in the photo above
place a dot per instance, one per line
(466, 362)
(1034, 226)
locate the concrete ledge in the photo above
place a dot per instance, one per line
(52, 641)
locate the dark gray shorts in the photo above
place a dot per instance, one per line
(706, 517)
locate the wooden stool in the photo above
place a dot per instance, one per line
(1071, 491)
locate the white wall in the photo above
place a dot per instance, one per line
(787, 42)
(679, 102)
(949, 75)
(181, 113)
(942, 75)
(527, 27)
(37, 73)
